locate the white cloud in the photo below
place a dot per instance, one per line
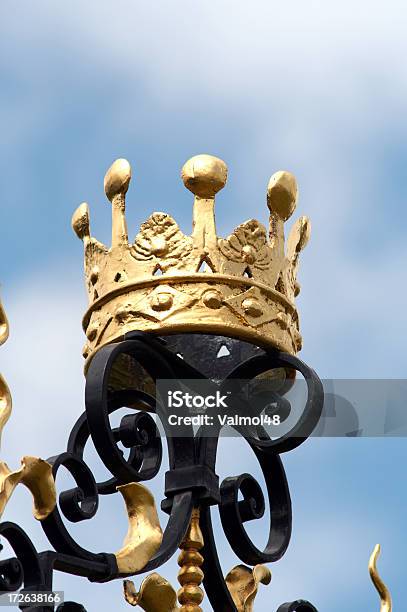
(295, 62)
(212, 46)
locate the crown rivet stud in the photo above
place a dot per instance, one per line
(161, 301)
(252, 307)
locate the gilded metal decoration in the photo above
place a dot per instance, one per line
(384, 593)
(166, 282)
(34, 473)
(5, 395)
(156, 594)
(190, 560)
(144, 536)
(4, 326)
(243, 583)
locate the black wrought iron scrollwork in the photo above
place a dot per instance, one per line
(297, 606)
(33, 569)
(191, 478)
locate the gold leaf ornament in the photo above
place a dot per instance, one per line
(243, 583)
(5, 395)
(144, 534)
(35, 473)
(248, 245)
(160, 237)
(156, 594)
(381, 588)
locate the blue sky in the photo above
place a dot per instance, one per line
(316, 88)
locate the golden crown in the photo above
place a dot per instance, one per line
(166, 282)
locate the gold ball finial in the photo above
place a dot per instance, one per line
(204, 175)
(80, 221)
(282, 192)
(117, 178)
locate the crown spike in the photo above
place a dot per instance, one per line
(282, 194)
(4, 327)
(297, 241)
(298, 238)
(81, 223)
(117, 180)
(204, 175)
